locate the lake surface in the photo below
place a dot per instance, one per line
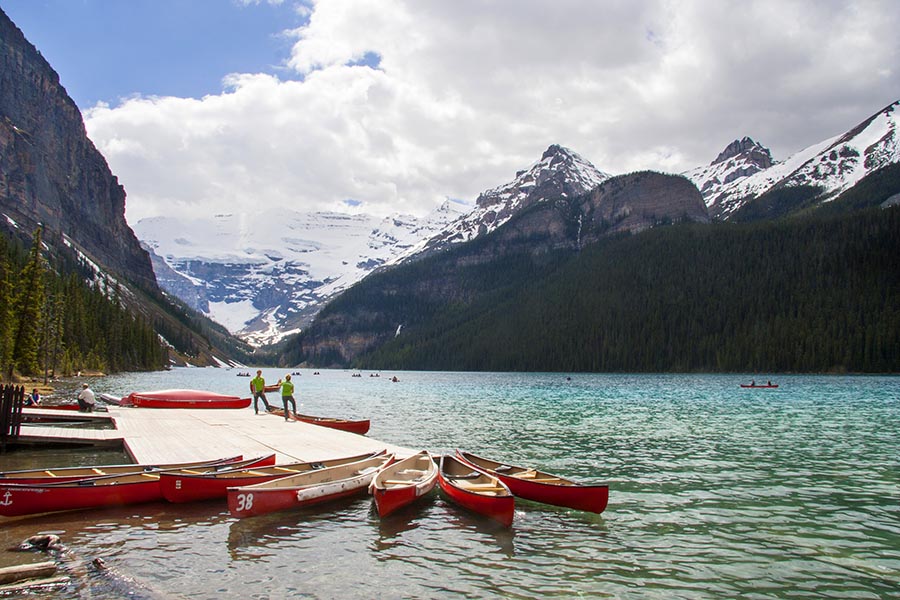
(715, 492)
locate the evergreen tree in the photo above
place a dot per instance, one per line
(29, 306)
(7, 314)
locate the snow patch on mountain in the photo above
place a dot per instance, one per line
(265, 275)
(833, 165)
(559, 173)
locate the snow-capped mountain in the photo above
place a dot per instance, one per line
(264, 275)
(833, 165)
(740, 159)
(559, 173)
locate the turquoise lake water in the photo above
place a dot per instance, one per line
(715, 492)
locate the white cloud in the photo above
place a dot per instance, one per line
(467, 92)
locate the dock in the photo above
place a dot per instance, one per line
(154, 436)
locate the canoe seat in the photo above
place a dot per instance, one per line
(480, 487)
(484, 488)
(472, 475)
(98, 471)
(191, 472)
(287, 469)
(396, 482)
(547, 480)
(411, 472)
(528, 474)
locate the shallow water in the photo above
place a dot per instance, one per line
(715, 492)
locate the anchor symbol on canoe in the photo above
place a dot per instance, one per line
(6, 500)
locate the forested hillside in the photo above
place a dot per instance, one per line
(53, 321)
(817, 294)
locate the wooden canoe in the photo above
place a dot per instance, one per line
(358, 427)
(184, 399)
(305, 489)
(542, 487)
(403, 482)
(185, 487)
(61, 474)
(476, 490)
(112, 490)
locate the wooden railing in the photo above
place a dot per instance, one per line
(11, 400)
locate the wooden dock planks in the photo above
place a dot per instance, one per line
(180, 435)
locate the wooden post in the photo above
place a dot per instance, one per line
(12, 398)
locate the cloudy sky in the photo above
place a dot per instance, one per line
(384, 106)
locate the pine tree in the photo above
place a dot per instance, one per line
(29, 306)
(7, 315)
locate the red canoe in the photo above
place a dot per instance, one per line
(185, 487)
(305, 489)
(113, 490)
(62, 474)
(403, 482)
(358, 427)
(476, 490)
(542, 487)
(184, 399)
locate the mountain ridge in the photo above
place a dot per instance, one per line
(743, 171)
(834, 165)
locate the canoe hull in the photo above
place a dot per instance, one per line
(565, 493)
(17, 499)
(243, 502)
(305, 489)
(357, 427)
(184, 399)
(390, 495)
(180, 488)
(500, 508)
(589, 498)
(65, 474)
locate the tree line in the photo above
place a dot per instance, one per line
(57, 317)
(813, 294)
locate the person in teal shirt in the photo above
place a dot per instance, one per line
(258, 387)
(287, 395)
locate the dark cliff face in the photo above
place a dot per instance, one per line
(50, 172)
(627, 203)
(363, 320)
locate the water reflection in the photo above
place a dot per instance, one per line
(292, 527)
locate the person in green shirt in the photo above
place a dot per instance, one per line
(258, 387)
(287, 395)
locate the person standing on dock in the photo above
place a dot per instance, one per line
(258, 387)
(86, 399)
(287, 395)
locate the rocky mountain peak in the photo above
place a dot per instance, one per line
(559, 172)
(740, 159)
(753, 152)
(831, 166)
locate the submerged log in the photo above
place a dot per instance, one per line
(22, 572)
(21, 586)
